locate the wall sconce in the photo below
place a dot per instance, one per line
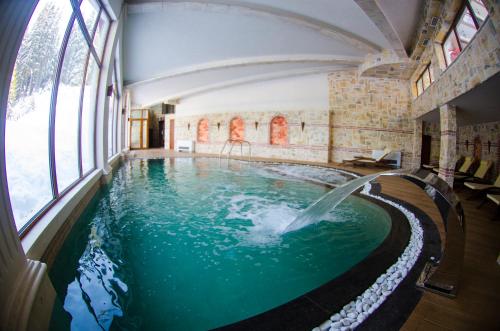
(218, 126)
(489, 147)
(302, 125)
(256, 125)
(189, 126)
(467, 145)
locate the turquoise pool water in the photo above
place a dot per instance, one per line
(188, 244)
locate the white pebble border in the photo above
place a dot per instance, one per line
(356, 311)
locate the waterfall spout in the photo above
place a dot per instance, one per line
(316, 212)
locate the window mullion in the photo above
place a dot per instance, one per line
(472, 14)
(53, 103)
(457, 38)
(80, 114)
(83, 28)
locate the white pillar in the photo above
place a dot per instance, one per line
(102, 116)
(25, 289)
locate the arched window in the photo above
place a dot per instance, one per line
(203, 131)
(237, 129)
(279, 131)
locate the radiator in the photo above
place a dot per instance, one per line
(184, 146)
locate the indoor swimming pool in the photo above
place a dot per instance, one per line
(195, 244)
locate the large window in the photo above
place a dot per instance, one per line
(424, 80)
(468, 21)
(50, 114)
(113, 115)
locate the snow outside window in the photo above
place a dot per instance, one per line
(27, 126)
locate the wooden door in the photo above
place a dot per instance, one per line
(161, 129)
(172, 134)
(425, 155)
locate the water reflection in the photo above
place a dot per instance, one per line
(95, 297)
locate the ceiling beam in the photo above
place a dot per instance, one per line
(251, 61)
(233, 82)
(374, 12)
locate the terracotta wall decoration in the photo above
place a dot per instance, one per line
(203, 131)
(279, 131)
(237, 129)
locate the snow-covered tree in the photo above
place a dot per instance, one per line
(37, 58)
(75, 57)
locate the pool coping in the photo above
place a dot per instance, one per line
(313, 308)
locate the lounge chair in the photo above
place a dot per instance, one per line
(371, 161)
(464, 169)
(481, 189)
(479, 174)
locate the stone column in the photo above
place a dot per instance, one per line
(448, 150)
(417, 143)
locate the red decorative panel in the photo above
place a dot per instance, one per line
(203, 131)
(279, 131)
(237, 129)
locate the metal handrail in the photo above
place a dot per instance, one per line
(232, 142)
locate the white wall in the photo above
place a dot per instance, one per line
(290, 94)
(182, 34)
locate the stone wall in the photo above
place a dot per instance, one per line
(369, 113)
(309, 143)
(486, 132)
(479, 61)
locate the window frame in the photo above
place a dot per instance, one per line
(76, 16)
(453, 29)
(420, 79)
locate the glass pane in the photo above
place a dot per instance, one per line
(465, 28)
(111, 108)
(450, 48)
(144, 134)
(426, 79)
(136, 113)
(90, 10)
(88, 113)
(135, 134)
(67, 109)
(26, 132)
(419, 86)
(101, 33)
(117, 124)
(479, 10)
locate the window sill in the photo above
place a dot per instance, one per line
(36, 241)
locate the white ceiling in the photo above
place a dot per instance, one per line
(175, 49)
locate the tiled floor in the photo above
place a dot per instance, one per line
(477, 305)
